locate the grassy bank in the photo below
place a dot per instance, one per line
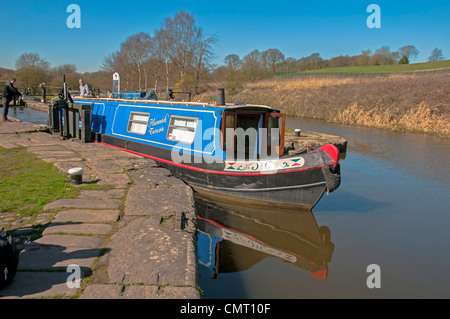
(417, 102)
(27, 184)
(383, 69)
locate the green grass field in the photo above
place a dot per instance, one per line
(379, 69)
(27, 184)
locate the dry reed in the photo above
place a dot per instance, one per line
(406, 102)
(422, 120)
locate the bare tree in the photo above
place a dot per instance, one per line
(232, 62)
(252, 65)
(364, 58)
(181, 35)
(273, 57)
(110, 63)
(178, 46)
(117, 62)
(289, 65)
(31, 59)
(186, 48)
(136, 50)
(436, 55)
(201, 60)
(384, 56)
(32, 70)
(70, 72)
(131, 61)
(156, 63)
(314, 61)
(231, 73)
(409, 51)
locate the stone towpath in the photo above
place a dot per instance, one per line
(133, 237)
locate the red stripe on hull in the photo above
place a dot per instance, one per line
(211, 171)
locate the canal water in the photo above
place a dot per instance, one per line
(388, 224)
(27, 115)
(391, 210)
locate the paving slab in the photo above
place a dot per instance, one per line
(78, 228)
(20, 127)
(87, 216)
(139, 292)
(26, 285)
(42, 149)
(155, 176)
(102, 292)
(59, 153)
(62, 159)
(134, 162)
(116, 180)
(101, 193)
(71, 241)
(83, 203)
(103, 166)
(104, 152)
(40, 139)
(39, 257)
(165, 257)
(160, 201)
(7, 144)
(158, 292)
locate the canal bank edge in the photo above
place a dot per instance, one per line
(129, 238)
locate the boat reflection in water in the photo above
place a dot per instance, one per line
(234, 238)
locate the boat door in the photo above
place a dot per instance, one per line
(275, 125)
(261, 126)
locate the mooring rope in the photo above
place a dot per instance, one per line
(332, 176)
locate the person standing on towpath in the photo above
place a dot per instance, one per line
(7, 95)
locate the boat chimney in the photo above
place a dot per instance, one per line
(220, 96)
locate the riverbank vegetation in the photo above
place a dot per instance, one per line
(382, 69)
(413, 102)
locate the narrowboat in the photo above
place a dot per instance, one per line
(234, 151)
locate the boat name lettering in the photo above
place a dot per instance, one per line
(153, 122)
(153, 131)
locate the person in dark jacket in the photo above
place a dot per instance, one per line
(7, 96)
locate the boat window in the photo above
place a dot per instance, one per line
(182, 129)
(138, 122)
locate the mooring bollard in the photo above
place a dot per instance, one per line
(297, 132)
(76, 175)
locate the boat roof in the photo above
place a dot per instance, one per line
(239, 105)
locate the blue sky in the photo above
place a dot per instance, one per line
(297, 28)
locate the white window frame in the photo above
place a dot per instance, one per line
(132, 121)
(179, 128)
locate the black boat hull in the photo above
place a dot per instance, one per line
(296, 187)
